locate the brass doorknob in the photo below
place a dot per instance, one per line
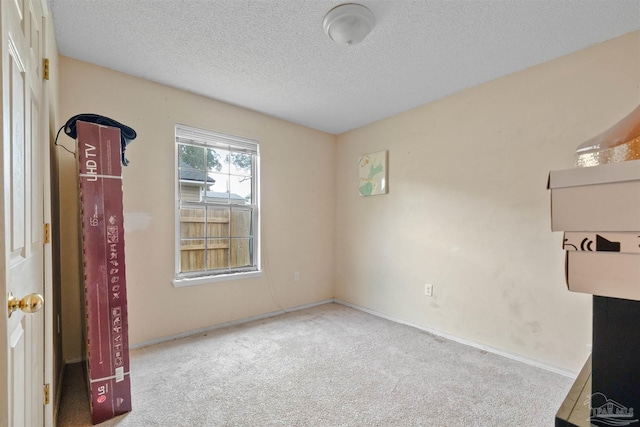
(29, 304)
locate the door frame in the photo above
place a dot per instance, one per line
(49, 312)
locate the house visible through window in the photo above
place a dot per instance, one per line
(217, 200)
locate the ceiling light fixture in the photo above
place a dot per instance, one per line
(348, 23)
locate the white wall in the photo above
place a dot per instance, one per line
(297, 195)
(468, 210)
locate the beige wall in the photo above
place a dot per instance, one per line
(468, 210)
(297, 193)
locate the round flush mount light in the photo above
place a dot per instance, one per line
(348, 23)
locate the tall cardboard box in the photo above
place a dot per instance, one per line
(105, 296)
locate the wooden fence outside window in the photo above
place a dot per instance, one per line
(220, 235)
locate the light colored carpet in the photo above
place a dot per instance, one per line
(327, 366)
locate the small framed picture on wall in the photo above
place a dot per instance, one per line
(373, 174)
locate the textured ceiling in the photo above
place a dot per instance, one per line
(272, 56)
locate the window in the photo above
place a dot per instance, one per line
(217, 206)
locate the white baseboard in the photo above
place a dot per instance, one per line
(227, 324)
(464, 341)
(310, 305)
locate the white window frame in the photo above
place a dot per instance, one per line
(210, 139)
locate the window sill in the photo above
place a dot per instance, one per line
(195, 281)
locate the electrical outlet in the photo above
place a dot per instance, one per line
(428, 290)
(296, 276)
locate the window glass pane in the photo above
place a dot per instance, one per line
(192, 223)
(191, 172)
(217, 160)
(219, 191)
(217, 222)
(191, 255)
(191, 158)
(241, 223)
(191, 192)
(240, 189)
(240, 163)
(241, 253)
(217, 254)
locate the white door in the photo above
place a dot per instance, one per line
(21, 213)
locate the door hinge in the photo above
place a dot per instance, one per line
(47, 233)
(45, 68)
(46, 394)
